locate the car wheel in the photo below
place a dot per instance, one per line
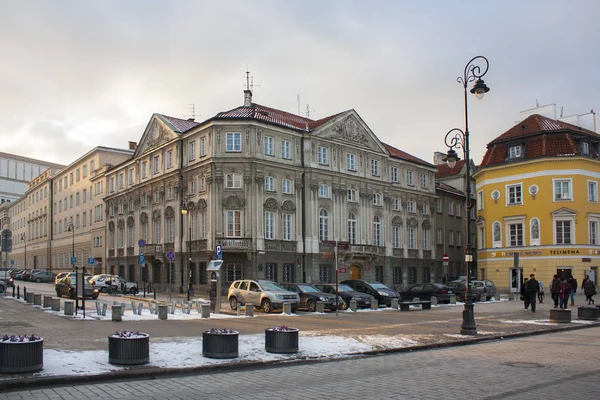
(267, 306)
(38, 280)
(233, 303)
(95, 296)
(103, 289)
(133, 291)
(57, 293)
(294, 309)
(1, 288)
(311, 305)
(345, 304)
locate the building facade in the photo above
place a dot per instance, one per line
(537, 202)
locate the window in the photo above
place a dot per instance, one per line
(375, 167)
(514, 151)
(84, 219)
(70, 179)
(268, 146)
(71, 201)
(394, 174)
(593, 232)
(156, 196)
(324, 190)
(480, 200)
(323, 159)
(285, 149)
(120, 181)
(450, 207)
(77, 198)
(234, 141)
(120, 238)
(440, 236)
(351, 162)
(269, 184)
(203, 225)
(286, 186)
(592, 191)
(84, 171)
(562, 189)
(144, 200)
(563, 232)
(156, 165)
(396, 204)
(144, 169)
(379, 273)
(424, 181)
(288, 272)
(352, 228)
(192, 188)
(397, 237)
(514, 194)
(438, 205)
(425, 209)
(157, 231)
(170, 159)
(458, 210)
(323, 225)
(130, 180)
(352, 196)
(233, 181)
(92, 166)
(377, 231)
(192, 150)
(397, 275)
(269, 225)
(111, 184)
(450, 238)
(411, 238)
(515, 232)
(411, 206)
(77, 176)
(458, 240)
(377, 199)
(170, 192)
(287, 227)
(324, 273)
(585, 148)
(203, 183)
(233, 221)
(409, 178)
(426, 239)
(202, 146)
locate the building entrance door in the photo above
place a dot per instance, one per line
(355, 272)
(564, 272)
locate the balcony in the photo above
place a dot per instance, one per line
(367, 249)
(130, 251)
(230, 244)
(120, 252)
(286, 246)
(199, 245)
(111, 252)
(413, 253)
(398, 252)
(169, 247)
(153, 250)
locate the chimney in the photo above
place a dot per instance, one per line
(191, 119)
(132, 145)
(437, 158)
(247, 98)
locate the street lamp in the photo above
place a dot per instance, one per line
(185, 208)
(24, 239)
(71, 228)
(457, 138)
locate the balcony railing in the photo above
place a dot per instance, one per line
(367, 249)
(280, 245)
(169, 247)
(230, 244)
(413, 253)
(111, 252)
(153, 249)
(199, 245)
(130, 251)
(398, 252)
(120, 252)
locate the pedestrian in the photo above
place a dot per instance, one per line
(541, 292)
(524, 296)
(573, 282)
(564, 291)
(554, 289)
(533, 288)
(589, 289)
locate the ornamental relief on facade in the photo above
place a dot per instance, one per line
(169, 213)
(426, 224)
(155, 215)
(157, 135)
(233, 203)
(298, 185)
(130, 221)
(271, 204)
(397, 220)
(202, 205)
(350, 130)
(120, 224)
(288, 205)
(144, 218)
(412, 222)
(111, 226)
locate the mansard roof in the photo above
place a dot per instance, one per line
(449, 189)
(177, 124)
(402, 155)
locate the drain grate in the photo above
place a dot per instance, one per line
(524, 365)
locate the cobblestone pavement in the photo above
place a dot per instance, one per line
(549, 366)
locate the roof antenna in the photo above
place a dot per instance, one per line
(561, 112)
(190, 112)
(298, 99)
(537, 104)
(247, 78)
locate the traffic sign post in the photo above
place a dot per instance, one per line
(73, 260)
(141, 259)
(219, 251)
(170, 255)
(91, 261)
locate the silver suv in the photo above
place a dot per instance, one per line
(267, 295)
(483, 290)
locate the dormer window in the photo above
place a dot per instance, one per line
(514, 151)
(585, 148)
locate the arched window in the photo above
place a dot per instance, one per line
(377, 231)
(323, 225)
(352, 228)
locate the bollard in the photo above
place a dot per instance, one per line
(182, 306)
(154, 293)
(98, 311)
(588, 313)
(24, 292)
(205, 310)
(249, 310)
(104, 306)
(287, 308)
(18, 292)
(320, 307)
(47, 301)
(13, 290)
(140, 308)
(69, 307)
(151, 307)
(37, 299)
(198, 304)
(434, 300)
(144, 289)
(173, 306)
(55, 304)
(134, 307)
(117, 313)
(353, 305)
(452, 299)
(163, 311)
(395, 303)
(374, 304)
(189, 307)
(29, 297)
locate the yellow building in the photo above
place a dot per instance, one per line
(537, 203)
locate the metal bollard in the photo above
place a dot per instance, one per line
(18, 292)
(144, 289)
(163, 312)
(249, 310)
(154, 292)
(116, 313)
(47, 301)
(55, 304)
(320, 307)
(374, 304)
(287, 308)
(37, 299)
(205, 310)
(69, 307)
(239, 309)
(395, 303)
(25, 292)
(353, 305)
(13, 290)
(434, 301)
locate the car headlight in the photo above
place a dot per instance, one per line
(383, 294)
(279, 297)
(323, 299)
(95, 290)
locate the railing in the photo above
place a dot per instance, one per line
(413, 253)
(153, 249)
(120, 252)
(199, 245)
(367, 249)
(235, 244)
(111, 252)
(280, 245)
(398, 252)
(130, 251)
(169, 247)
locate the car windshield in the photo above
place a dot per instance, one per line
(308, 289)
(378, 285)
(266, 285)
(345, 288)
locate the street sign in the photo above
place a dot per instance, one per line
(446, 258)
(12, 262)
(141, 259)
(73, 260)
(141, 242)
(6, 242)
(91, 261)
(219, 252)
(171, 256)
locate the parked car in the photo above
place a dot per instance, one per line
(309, 295)
(425, 291)
(65, 286)
(483, 290)
(459, 288)
(104, 281)
(382, 293)
(42, 276)
(14, 272)
(267, 295)
(60, 275)
(363, 300)
(20, 275)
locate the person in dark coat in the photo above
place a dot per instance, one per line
(554, 290)
(573, 282)
(564, 291)
(533, 287)
(524, 296)
(589, 289)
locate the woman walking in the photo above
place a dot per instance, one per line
(589, 289)
(564, 291)
(524, 295)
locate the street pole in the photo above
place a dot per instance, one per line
(337, 280)
(189, 288)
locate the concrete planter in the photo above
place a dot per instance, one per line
(20, 357)
(281, 341)
(560, 315)
(588, 313)
(133, 350)
(220, 345)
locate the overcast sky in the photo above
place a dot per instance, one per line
(77, 74)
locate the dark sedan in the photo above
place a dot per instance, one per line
(382, 293)
(459, 289)
(425, 291)
(363, 300)
(309, 295)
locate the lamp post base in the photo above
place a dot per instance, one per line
(468, 326)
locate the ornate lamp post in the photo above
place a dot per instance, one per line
(71, 228)
(457, 138)
(24, 239)
(185, 208)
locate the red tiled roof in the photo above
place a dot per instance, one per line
(397, 153)
(444, 170)
(448, 188)
(540, 137)
(177, 124)
(269, 115)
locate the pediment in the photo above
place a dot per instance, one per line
(564, 211)
(349, 129)
(155, 134)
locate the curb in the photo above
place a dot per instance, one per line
(158, 372)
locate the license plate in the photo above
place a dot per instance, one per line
(450, 292)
